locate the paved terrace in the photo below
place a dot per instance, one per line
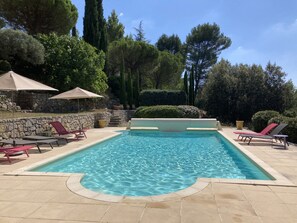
(46, 199)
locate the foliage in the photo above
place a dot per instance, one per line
(168, 70)
(39, 16)
(115, 29)
(17, 45)
(4, 66)
(261, 119)
(94, 31)
(138, 57)
(292, 113)
(290, 129)
(190, 111)
(123, 95)
(161, 111)
(137, 90)
(237, 92)
(130, 90)
(167, 111)
(114, 83)
(70, 62)
(191, 87)
(186, 85)
(102, 28)
(162, 97)
(171, 43)
(140, 35)
(203, 46)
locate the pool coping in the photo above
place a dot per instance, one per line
(74, 185)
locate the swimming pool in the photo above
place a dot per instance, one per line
(138, 163)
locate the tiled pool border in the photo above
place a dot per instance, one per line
(73, 182)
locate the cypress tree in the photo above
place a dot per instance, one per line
(123, 96)
(102, 30)
(130, 91)
(137, 89)
(191, 87)
(91, 23)
(186, 86)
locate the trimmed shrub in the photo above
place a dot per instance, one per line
(290, 130)
(168, 111)
(261, 118)
(162, 97)
(163, 111)
(190, 111)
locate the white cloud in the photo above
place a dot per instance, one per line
(121, 14)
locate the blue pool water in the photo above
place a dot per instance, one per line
(151, 163)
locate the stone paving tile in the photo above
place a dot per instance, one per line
(123, 214)
(160, 215)
(288, 198)
(30, 220)
(283, 219)
(87, 212)
(18, 209)
(271, 209)
(255, 196)
(199, 216)
(255, 188)
(10, 220)
(293, 210)
(292, 190)
(232, 207)
(235, 218)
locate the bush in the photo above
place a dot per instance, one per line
(290, 130)
(190, 111)
(290, 113)
(162, 97)
(261, 118)
(163, 111)
(168, 111)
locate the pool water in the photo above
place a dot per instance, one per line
(140, 163)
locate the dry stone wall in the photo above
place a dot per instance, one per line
(39, 126)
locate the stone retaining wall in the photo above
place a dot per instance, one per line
(39, 125)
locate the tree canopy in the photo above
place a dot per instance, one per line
(167, 72)
(115, 29)
(239, 91)
(137, 55)
(203, 46)
(18, 46)
(171, 43)
(71, 62)
(39, 16)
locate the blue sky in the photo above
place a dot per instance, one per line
(260, 30)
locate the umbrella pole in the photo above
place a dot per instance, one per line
(13, 124)
(80, 127)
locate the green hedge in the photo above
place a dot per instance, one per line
(162, 97)
(261, 119)
(167, 111)
(291, 129)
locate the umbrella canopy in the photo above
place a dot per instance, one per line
(12, 81)
(76, 93)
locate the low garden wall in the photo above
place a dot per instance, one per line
(39, 125)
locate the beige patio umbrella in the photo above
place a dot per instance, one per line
(76, 93)
(13, 82)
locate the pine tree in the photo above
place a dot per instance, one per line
(123, 96)
(91, 24)
(74, 32)
(186, 86)
(130, 91)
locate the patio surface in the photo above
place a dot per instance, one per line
(46, 199)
